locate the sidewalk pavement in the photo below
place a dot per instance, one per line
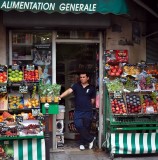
(76, 154)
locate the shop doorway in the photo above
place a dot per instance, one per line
(71, 58)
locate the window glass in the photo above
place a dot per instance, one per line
(33, 48)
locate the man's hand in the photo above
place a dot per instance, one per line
(59, 98)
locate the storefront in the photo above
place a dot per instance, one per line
(55, 35)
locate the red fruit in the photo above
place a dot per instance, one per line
(114, 70)
(117, 74)
(112, 74)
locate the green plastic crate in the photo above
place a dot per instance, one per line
(53, 109)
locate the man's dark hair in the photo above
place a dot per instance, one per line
(84, 72)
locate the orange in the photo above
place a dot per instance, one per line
(30, 114)
(21, 106)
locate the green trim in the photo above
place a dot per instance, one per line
(39, 151)
(66, 6)
(30, 150)
(133, 143)
(20, 149)
(117, 143)
(149, 143)
(125, 149)
(141, 143)
(156, 140)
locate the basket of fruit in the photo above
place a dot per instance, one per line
(133, 104)
(118, 106)
(115, 70)
(145, 82)
(16, 101)
(130, 84)
(131, 70)
(31, 73)
(149, 103)
(15, 74)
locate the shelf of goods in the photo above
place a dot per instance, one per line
(70, 130)
(22, 113)
(131, 109)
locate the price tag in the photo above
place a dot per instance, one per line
(135, 82)
(3, 89)
(117, 94)
(2, 68)
(2, 124)
(40, 118)
(19, 118)
(41, 128)
(23, 89)
(153, 80)
(142, 65)
(123, 80)
(108, 53)
(30, 67)
(107, 67)
(6, 142)
(15, 67)
(4, 129)
(35, 112)
(19, 127)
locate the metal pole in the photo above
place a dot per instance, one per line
(47, 136)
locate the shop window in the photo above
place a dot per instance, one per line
(32, 48)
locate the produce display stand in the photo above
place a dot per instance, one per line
(26, 147)
(23, 123)
(130, 134)
(131, 108)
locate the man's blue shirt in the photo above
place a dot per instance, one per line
(83, 97)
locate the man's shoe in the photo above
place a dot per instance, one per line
(91, 144)
(82, 147)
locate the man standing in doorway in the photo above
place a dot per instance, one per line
(84, 100)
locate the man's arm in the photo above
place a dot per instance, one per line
(93, 101)
(66, 93)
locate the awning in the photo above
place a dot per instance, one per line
(66, 6)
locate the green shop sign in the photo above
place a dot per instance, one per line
(65, 6)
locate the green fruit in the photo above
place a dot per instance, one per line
(20, 79)
(20, 76)
(17, 71)
(16, 79)
(21, 73)
(9, 70)
(13, 75)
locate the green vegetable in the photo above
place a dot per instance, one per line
(114, 85)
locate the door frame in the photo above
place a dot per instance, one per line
(101, 52)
